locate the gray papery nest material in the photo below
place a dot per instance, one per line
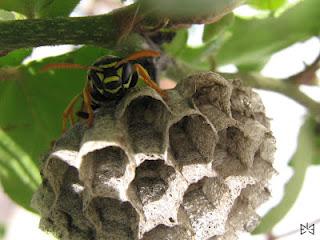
(195, 166)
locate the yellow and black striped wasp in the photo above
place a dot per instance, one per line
(108, 79)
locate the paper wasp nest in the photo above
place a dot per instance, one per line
(193, 166)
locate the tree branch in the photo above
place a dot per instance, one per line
(308, 75)
(108, 29)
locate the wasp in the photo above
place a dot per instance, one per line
(108, 79)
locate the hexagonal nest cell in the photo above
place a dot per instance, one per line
(103, 170)
(192, 140)
(193, 166)
(146, 121)
(151, 181)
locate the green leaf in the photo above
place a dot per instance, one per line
(179, 49)
(19, 176)
(300, 161)
(2, 231)
(6, 15)
(27, 8)
(178, 43)
(316, 159)
(267, 4)
(54, 8)
(32, 106)
(40, 8)
(10, 15)
(254, 41)
(197, 57)
(212, 31)
(200, 57)
(14, 58)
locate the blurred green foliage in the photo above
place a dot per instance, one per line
(267, 4)
(19, 176)
(2, 231)
(6, 15)
(14, 58)
(40, 8)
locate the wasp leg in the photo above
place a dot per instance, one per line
(137, 55)
(87, 104)
(68, 113)
(142, 72)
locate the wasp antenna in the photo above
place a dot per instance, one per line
(139, 54)
(52, 66)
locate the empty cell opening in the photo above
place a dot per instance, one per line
(165, 232)
(195, 187)
(77, 229)
(216, 95)
(214, 103)
(146, 119)
(246, 105)
(240, 146)
(234, 139)
(194, 200)
(151, 181)
(116, 218)
(106, 163)
(227, 160)
(70, 204)
(70, 195)
(194, 193)
(55, 170)
(233, 135)
(192, 140)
